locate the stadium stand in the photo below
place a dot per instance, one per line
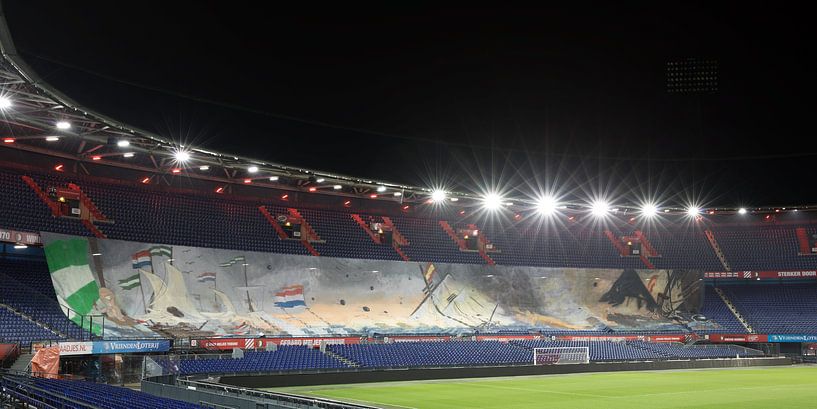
(777, 309)
(286, 358)
(147, 214)
(57, 393)
(444, 354)
(716, 310)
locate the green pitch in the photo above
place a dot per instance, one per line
(769, 387)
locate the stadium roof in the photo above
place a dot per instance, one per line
(43, 120)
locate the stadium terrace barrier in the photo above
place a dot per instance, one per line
(210, 394)
(387, 375)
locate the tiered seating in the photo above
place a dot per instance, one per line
(675, 350)
(777, 309)
(348, 239)
(417, 354)
(600, 351)
(547, 246)
(25, 298)
(429, 242)
(683, 248)
(41, 392)
(286, 358)
(769, 247)
(16, 329)
(150, 214)
(716, 310)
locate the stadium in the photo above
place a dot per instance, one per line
(141, 272)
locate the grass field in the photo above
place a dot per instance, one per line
(769, 387)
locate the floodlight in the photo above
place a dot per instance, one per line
(742, 210)
(321, 180)
(128, 154)
(649, 210)
(273, 178)
(123, 143)
(5, 103)
(337, 187)
(63, 125)
(599, 208)
(491, 201)
(52, 138)
(252, 169)
(181, 156)
(438, 195)
(381, 189)
(693, 211)
(546, 205)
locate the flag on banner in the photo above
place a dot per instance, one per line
(73, 280)
(290, 297)
(234, 260)
(158, 251)
(130, 282)
(429, 274)
(205, 277)
(141, 259)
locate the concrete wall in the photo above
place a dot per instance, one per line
(279, 380)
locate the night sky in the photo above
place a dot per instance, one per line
(520, 100)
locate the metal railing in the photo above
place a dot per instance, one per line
(278, 398)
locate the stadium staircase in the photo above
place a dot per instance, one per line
(714, 243)
(644, 347)
(448, 230)
(55, 208)
(483, 242)
(22, 363)
(342, 358)
(803, 241)
(397, 238)
(311, 235)
(359, 220)
(734, 310)
(278, 229)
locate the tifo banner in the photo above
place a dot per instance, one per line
(20, 237)
(113, 347)
(792, 338)
(739, 338)
(74, 283)
(145, 287)
(755, 275)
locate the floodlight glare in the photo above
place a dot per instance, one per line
(546, 205)
(337, 187)
(181, 156)
(438, 195)
(600, 208)
(649, 210)
(5, 103)
(63, 125)
(693, 211)
(381, 189)
(742, 210)
(123, 143)
(492, 201)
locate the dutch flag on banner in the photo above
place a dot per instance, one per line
(290, 297)
(205, 277)
(141, 259)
